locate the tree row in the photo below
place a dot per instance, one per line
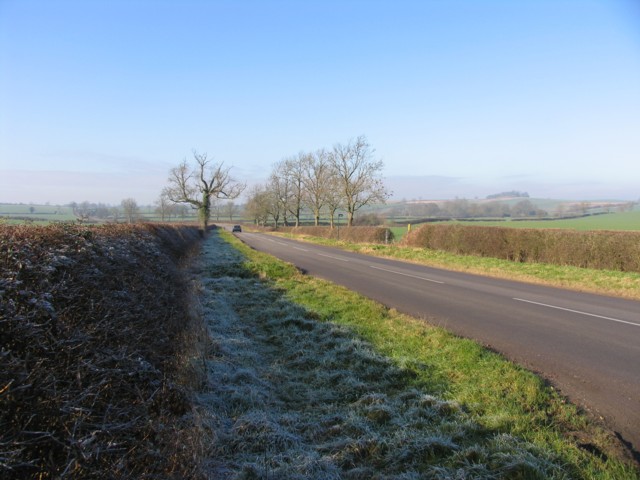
(346, 177)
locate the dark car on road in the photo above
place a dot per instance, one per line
(236, 228)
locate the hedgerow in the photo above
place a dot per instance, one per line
(349, 234)
(606, 250)
(91, 323)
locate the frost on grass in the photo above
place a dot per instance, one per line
(291, 397)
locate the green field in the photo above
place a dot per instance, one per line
(628, 221)
(45, 214)
(40, 214)
(610, 221)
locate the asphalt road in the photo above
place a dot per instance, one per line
(587, 345)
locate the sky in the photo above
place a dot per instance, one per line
(460, 98)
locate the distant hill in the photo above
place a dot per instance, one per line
(512, 194)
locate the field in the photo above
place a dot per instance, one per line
(610, 221)
(16, 214)
(36, 213)
(624, 221)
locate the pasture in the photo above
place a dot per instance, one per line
(610, 221)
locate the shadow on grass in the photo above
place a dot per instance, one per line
(291, 395)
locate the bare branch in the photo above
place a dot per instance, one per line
(199, 185)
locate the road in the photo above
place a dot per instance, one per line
(587, 345)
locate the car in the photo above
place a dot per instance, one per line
(236, 228)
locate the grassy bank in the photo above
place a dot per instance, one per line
(487, 405)
(605, 282)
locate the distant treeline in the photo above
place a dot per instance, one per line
(462, 208)
(605, 250)
(510, 194)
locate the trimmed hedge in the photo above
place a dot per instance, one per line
(604, 250)
(349, 234)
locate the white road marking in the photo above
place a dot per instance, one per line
(406, 274)
(281, 243)
(302, 249)
(331, 256)
(579, 312)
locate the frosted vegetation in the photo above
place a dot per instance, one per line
(289, 396)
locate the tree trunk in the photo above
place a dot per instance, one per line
(205, 213)
(349, 219)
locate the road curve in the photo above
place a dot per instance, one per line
(587, 345)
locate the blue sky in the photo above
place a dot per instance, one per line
(99, 99)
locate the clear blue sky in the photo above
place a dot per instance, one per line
(100, 98)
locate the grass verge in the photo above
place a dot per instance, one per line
(486, 404)
(604, 282)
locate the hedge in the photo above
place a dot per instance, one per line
(605, 250)
(350, 234)
(92, 335)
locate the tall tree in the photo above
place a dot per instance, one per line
(287, 179)
(318, 180)
(199, 184)
(358, 175)
(280, 186)
(335, 200)
(294, 169)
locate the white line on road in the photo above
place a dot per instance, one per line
(281, 243)
(406, 274)
(579, 312)
(303, 249)
(331, 256)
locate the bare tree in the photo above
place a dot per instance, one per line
(358, 175)
(294, 170)
(335, 200)
(318, 179)
(230, 209)
(130, 209)
(280, 187)
(82, 211)
(164, 207)
(197, 186)
(261, 204)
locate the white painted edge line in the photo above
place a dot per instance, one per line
(281, 243)
(406, 274)
(302, 249)
(331, 256)
(579, 312)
